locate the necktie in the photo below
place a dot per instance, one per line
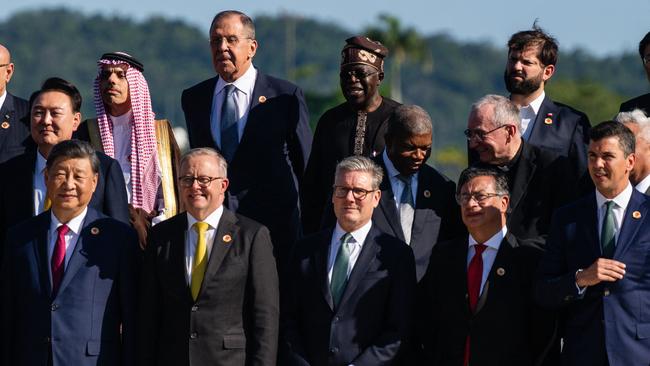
(406, 207)
(340, 270)
(474, 278)
(200, 259)
(229, 133)
(58, 259)
(607, 233)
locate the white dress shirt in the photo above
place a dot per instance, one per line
(643, 185)
(2, 99)
(620, 204)
(358, 237)
(396, 184)
(40, 190)
(192, 237)
(243, 96)
(75, 225)
(489, 254)
(528, 115)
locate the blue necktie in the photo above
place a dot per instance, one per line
(229, 133)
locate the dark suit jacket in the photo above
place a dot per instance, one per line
(17, 193)
(15, 136)
(641, 102)
(507, 327)
(270, 160)
(611, 319)
(234, 321)
(437, 215)
(373, 321)
(91, 319)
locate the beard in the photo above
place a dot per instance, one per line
(524, 87)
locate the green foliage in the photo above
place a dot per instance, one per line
(598, 102)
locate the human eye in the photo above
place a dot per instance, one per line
(204, 180)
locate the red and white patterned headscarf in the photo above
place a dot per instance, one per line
(144, 161)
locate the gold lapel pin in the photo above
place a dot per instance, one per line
(227, 238)
(636, 214)
(94, 230)
(5, 125)
(501, 271)
(262, 99)
(548, 121)
(427, 193)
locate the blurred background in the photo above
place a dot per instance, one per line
(442, 56)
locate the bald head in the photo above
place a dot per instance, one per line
(6, 68)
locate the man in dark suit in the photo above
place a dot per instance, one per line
(14, 126)
(68, 275)
(477, 304)
(532, 56)
(637, 121)
(55, 115)
(259, 124)
(642, 101)
(351, 290)
(595, 267)
(209, 289)
(540, 181)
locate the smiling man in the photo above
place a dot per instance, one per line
(356, 127)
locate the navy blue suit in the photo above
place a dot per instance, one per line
(270, 160)
(90, 321)
(611, 321)
(15, 136)
(640, 102)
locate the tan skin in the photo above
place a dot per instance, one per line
(7, 70)
(525, 65)
(497, 147)
(114, 88)
(483, 218)
(199, 201)
(70, 185)
(352, 213)
(408, 153)
(52, 120)
(231, 47)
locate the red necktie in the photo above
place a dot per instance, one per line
(58, 258)
(474, 278)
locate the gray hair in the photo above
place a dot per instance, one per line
(73, 149)
(505, 111)
(245, 20)
(409, 120)
(206, 151)
(636, 117)
(361, 164)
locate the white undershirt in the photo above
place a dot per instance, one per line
(358, 238)
(40, 190)
(528, 115)
(644, 184)
(192, 237)
(75, 225)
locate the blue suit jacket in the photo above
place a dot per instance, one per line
(270, 160)
(612, 319)
(15, 136)
(97, 296)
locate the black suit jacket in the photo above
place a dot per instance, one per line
(507, 327)
(372, 323)
(15, 135)
(270, 160)
(234, 321)
(641, 102)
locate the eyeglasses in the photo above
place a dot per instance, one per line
(357, 193)
(470, 134)
(357, 74)
(204, 181)
(479, 197)
(232, 41)
(3, 65)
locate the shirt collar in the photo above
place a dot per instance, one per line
(537, 103)
(40, 163)
(3, 97)
(124, 119)
(494, 242)
(212, 219)
(244, 84)
(391, 171)
(644, 184)
(359, 235)
(621, 200)
(74, 224)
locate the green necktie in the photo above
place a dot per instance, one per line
(607, 233)
(200, 259)
(340, 270)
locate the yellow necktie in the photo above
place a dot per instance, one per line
(47, 205)
(200, 259)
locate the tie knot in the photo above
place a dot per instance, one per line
(201, 227)
(479, 248)
(346, 238)
(610, 205)
(63, 229)
(230, 88)
(406, 179)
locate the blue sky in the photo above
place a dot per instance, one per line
(600, 27)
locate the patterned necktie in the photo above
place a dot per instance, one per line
(607, 233)
(340, 270)
(229, 133)
(200, 258)
(406, 207)
(474, 279)
(58, 258)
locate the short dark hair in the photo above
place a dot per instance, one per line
(60, 85)
(536, 37)
(482, 170)
(408, 120)
(606, 129)
(245, 20)
(643, 44)
(73, 149)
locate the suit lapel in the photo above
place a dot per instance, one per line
(525, 172)
(259, 90)
(588, 225)
(389, 207)
(40, 252)
(204, 110)
(422, 204)
(320, 260)
(225, 237)
(366, 257)
(500, 267)
(25, 185)
(542, 131)
(635, 215)
(175, 256)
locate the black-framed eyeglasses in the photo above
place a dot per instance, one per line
(357, 193)
(479, 134)
(480, 197)
(357, 74)
(232, 41)
(204, 181)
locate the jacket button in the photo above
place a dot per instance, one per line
(195, 308)
(193, 335)
(47, 340)
(334, 350)
(606, 292)
(336, 318)
(54, 307)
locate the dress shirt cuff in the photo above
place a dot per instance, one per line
(581, 290)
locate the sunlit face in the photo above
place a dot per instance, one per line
(352, 213)
(486, 214)
(609, 168)
(70, 185)
(409, 153)
(53, 119)
(201, 201)
(6, 70)
(360, 90)
(114, 87)
(232, 48)
(641, 154)
(492, 148)
(525, 73)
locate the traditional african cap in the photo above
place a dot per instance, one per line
(363, 50)
(144, 160)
